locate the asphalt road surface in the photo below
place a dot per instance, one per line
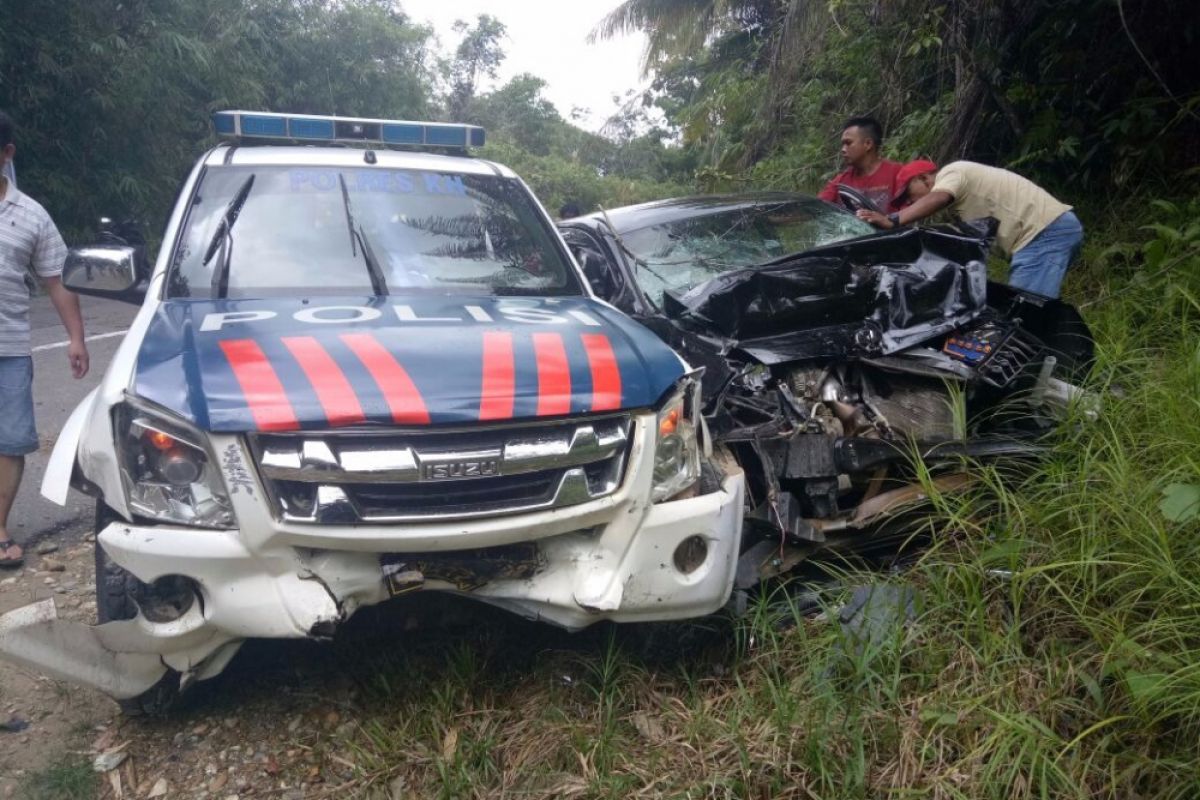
(55, 395)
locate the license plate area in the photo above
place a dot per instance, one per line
(465, 570)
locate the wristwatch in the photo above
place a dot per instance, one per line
(894, 218)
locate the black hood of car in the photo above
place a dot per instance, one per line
(875, 294)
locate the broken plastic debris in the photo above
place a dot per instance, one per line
(110, 759)
(875, 613)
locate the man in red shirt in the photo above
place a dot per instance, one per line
(866, 170)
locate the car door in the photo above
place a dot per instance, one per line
(602, 269)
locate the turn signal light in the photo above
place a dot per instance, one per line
(159, 440)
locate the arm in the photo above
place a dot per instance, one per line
(66, 303)
(829, 193)
(927, 206)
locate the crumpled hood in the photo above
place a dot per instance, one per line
(876, 294)
(291, 363)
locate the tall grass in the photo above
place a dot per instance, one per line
(1054, 651)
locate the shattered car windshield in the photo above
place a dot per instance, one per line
(684, 253)
(364, 231)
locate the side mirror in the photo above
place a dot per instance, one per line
(112, 271)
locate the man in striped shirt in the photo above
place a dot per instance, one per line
(28, 241)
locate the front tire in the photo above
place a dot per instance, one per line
(117, 595)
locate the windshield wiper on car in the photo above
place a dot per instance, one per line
(359, 237)
(223, 239)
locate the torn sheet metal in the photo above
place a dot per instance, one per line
(927, 298)
(869, 296)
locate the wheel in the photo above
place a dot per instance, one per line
(155, 701)
(116, 589)
(117, 595)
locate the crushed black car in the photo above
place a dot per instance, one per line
(844, 369)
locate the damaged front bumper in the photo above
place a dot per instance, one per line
(628, 561)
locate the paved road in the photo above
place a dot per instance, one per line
(55, 395)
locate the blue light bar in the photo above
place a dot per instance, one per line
(242, 125)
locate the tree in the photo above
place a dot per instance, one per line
(519, 112)
(112, 98)
(758, 88)
(478, 55)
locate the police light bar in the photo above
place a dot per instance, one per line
(307, 128)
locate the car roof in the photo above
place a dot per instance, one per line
(318, 156)
(660, 212)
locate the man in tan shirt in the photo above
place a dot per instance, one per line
(1041, 235)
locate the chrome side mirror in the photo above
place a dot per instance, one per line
(105, 271)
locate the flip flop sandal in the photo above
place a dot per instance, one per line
(6, 561)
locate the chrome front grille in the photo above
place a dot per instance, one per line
(352, 476)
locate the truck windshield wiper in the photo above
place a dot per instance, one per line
(359, 237)
(223, 238)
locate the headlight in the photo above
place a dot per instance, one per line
(677, 451)
(168, 472)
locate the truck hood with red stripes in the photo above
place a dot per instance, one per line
(290, 363)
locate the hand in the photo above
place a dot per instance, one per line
(77, 355)
(873, 217)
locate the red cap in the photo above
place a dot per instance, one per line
(911, 170)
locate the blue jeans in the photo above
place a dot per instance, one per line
(17, 434)
(1041, 265)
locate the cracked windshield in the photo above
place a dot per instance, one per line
(271, 230)
(678, 256)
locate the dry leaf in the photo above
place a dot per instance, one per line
(114, 780)
(105, 740)
(649, 727)
(345, 762)
(450, 744)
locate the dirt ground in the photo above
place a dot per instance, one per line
(270, 728)
(44, 720)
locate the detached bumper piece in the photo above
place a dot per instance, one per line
(117, 658)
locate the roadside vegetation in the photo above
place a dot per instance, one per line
(1053, 648)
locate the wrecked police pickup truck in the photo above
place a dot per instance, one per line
(363, 369)
(844, 370)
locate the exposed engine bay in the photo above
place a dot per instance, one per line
(849, 380)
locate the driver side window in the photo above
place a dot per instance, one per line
(599, 272)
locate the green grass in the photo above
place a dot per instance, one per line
(69, 779)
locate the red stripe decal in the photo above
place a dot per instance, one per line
(496, 400)
(401, 394)
(554, 375)
(333, 390)
(606, 376)
(264, 393)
